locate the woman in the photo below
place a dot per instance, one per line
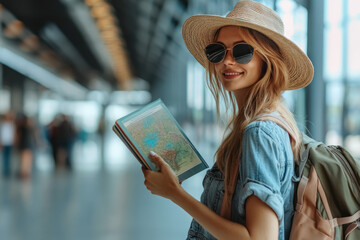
(248, 193)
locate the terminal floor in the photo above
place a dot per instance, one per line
(98, 200)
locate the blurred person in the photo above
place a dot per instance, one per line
(52, 132)
(248, 193)
(62, 135)
(102, 132)
(67, 136)
(26, 141)
(7, 140)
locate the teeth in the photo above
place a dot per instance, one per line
(231, 74)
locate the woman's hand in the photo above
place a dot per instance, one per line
(163, 182)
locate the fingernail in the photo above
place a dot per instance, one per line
(152, 153)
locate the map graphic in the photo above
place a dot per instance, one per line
(155, 130)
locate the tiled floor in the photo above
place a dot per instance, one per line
(93, 202)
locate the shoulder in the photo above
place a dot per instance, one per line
(265, 131)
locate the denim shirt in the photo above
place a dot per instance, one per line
(266, 169)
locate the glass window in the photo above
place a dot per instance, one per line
(333, 53)
(342, 73)
(295, 19)
(195, 85)
(334, 100)
(4, 100)
(353, 67)
(354, 9)
(333, 11)
(268, 3)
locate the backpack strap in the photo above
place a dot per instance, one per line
(304, 149)
(353, 220)
(304, 152)
(276, 117)
(352, 227)
(306, 198)
(307, 144)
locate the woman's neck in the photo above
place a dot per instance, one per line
(241, 97)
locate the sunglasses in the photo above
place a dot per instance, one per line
(241, 52)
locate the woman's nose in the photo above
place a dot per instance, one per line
(229, 59)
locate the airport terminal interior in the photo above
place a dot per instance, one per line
(70, 68)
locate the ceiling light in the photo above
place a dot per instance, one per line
(14, 29)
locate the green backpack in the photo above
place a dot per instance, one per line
(328, 193)
(327, 199)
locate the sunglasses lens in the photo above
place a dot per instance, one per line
(215, 52)
(243, 53)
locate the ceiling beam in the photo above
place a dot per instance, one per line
(34, 69)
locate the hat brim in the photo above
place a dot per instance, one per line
(199, 30)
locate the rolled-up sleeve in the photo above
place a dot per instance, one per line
(260, 169)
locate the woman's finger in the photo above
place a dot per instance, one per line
(157, 160)
(143, 171)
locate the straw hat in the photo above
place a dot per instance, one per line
(199, 30)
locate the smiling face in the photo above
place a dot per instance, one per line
(235, 76)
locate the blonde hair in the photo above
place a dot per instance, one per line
(263, 97)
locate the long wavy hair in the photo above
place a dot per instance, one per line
(264, 96)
